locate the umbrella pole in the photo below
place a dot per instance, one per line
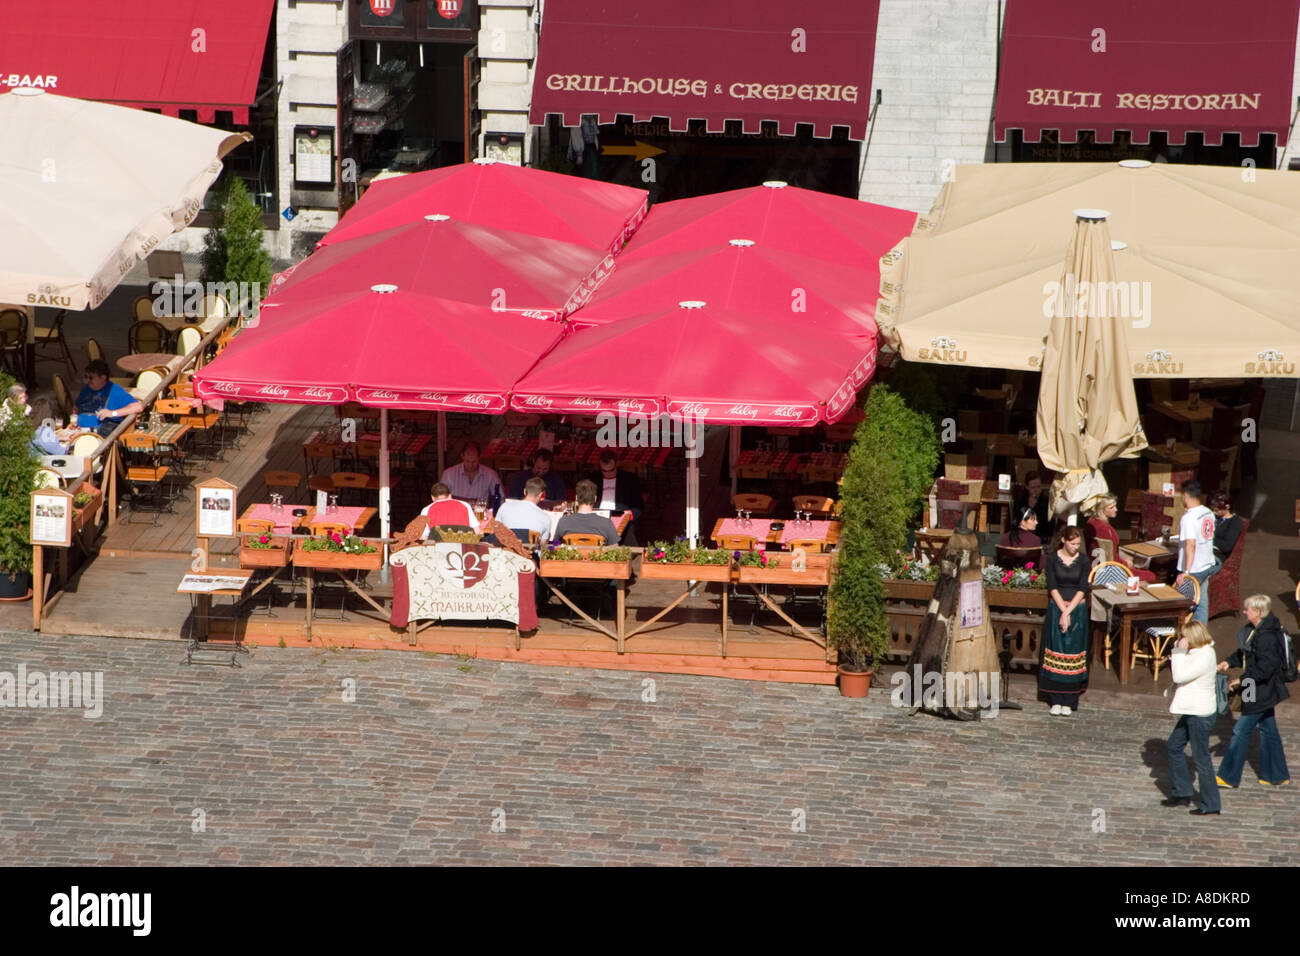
(733, 452)
(384, 491)
(442, 443)
(693, 482)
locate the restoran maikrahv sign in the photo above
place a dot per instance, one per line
(462, 582)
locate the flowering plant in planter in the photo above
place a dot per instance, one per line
(755, 559)
(1027, 577)
(564, 552)
(904, 567)
(348, 544)
(259, 542)
(82, 498)
(679, 552)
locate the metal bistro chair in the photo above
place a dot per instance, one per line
(13, 342)
(1108, 572)
(1159, 638)
(146, 336)
(62, 397)
(811, 546)
(587, 588)
(740, 542)
(145, 473)
(52, 337)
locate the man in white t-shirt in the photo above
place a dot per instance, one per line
(1196, 546)
(524, 514)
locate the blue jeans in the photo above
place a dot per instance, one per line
(1272, 760)
(1197, 731)
(1202, 611)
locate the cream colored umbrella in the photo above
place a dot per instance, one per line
(1207, 262)
(88, 189)
(1087, 409)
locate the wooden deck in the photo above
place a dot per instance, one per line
(135, 597)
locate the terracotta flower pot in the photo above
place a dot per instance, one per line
(853, 683)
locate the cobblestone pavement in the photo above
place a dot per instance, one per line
(578, 768)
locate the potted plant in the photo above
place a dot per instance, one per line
(85, 504)
(263, 551)
(338, 552)
(676, 561)
(891, 465)
(17, 482)
(1016, 587)
(906, 578)
(563, 561)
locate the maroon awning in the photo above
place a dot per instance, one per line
(684, 60)
(169, 55)
(1174, 66)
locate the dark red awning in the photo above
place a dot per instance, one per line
(763, 60)
(202, 55)
(1176, 66)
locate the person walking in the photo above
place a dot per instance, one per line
(1192, 665)
(1196, 546)
(1260, 653)
(1063, 667)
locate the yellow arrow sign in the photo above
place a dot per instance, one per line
(640, 150)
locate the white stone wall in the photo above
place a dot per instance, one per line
(936, 68)
(507, 49)
(308, 36)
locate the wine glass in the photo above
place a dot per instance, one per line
(333, 506)
(277, 503)
(739, 515)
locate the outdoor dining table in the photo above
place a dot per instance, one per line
(137, 362)
(760, 529)
(1192, 421)
(1184, 455)
(1152, 602)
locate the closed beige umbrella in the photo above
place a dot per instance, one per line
(1087, 409)
(1208, 266)
(88, 189)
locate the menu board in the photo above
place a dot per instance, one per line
(51, 517)
(214, 503)
(313, 155)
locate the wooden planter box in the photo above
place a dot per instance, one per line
(811, 577)
(653, 571)
(276, 556)
(596, 570)
(1027, 599)
(336, 560)
(84, 517)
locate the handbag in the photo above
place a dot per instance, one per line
(1221, 696)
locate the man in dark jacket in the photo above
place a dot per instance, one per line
(618, 491)
(1260, 653)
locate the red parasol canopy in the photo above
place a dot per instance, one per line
(381, 346)
(502, 196)
(779, 217)
(455, 261)
(696, 360)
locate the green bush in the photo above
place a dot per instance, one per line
(890, 469)
(233, 249)
(17, 482)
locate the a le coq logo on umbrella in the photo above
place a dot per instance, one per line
(382, 8)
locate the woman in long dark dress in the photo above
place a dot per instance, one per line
(1063, 668)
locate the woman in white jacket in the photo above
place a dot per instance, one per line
(1193, 664)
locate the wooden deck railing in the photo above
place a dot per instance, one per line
(46, 589)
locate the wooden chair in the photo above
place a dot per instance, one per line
(254, 525)
(142, 309)
(146, 336)
(817, 504)
(736, 542)
(810, 545)
(187, 340)
(145, 472)
(932, 543)
(52, 337)
(313, 452)
(290, 481)
(759, 504)
(146, 382)
(578, 540)
(13, 342)
(354, 480)
(62, 397)
(205, 426)
(318, 528)
(1109, 572)
(1159, 637)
